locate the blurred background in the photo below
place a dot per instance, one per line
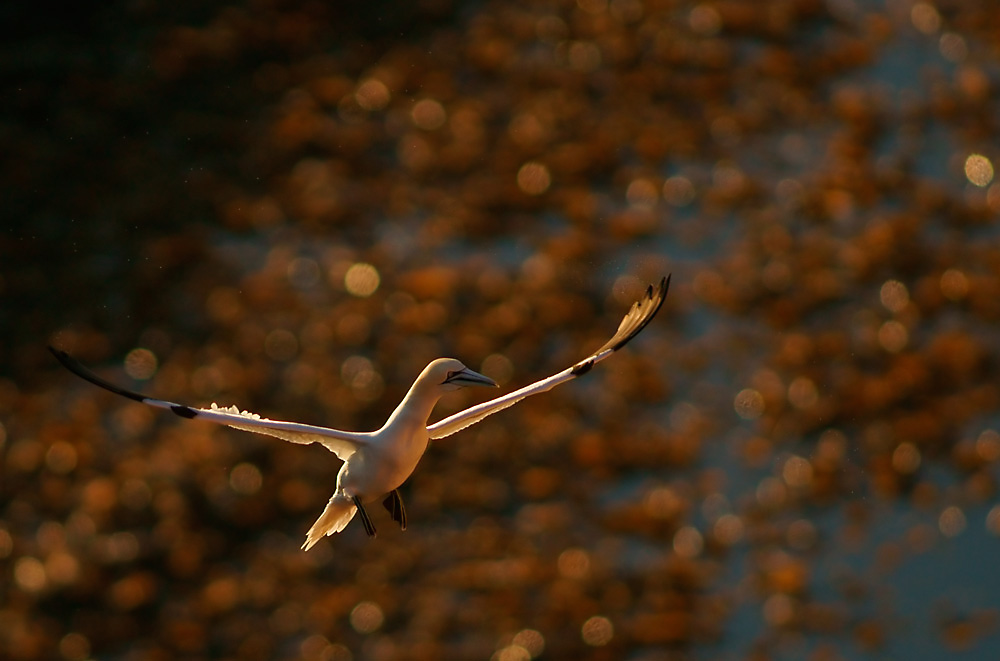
(294, 206)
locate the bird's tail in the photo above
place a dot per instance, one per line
(338, 513)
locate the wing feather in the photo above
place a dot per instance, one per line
(341, 443)
(640, 314)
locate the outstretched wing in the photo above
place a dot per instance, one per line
(638, 316)
(341, 443)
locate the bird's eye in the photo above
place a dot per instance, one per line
(451, 375)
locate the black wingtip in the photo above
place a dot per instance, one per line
(60, 355)
(74, 366)
(664, 286)
(640, 314)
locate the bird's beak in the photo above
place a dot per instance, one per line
(467, 377)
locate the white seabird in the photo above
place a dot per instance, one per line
(377, 463)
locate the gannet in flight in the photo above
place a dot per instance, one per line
(377, 463)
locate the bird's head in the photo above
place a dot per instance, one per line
(451, 374)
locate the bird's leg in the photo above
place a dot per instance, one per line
(394, 504)
(369, 526)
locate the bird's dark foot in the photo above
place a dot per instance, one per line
(394, 505)
(365, 519)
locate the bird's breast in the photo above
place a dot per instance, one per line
(406, 450)
(383, 466)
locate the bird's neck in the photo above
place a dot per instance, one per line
(416, 407)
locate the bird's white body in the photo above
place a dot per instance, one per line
(391, 454)
(377, 463)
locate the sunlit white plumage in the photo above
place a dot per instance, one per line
(377, 463)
